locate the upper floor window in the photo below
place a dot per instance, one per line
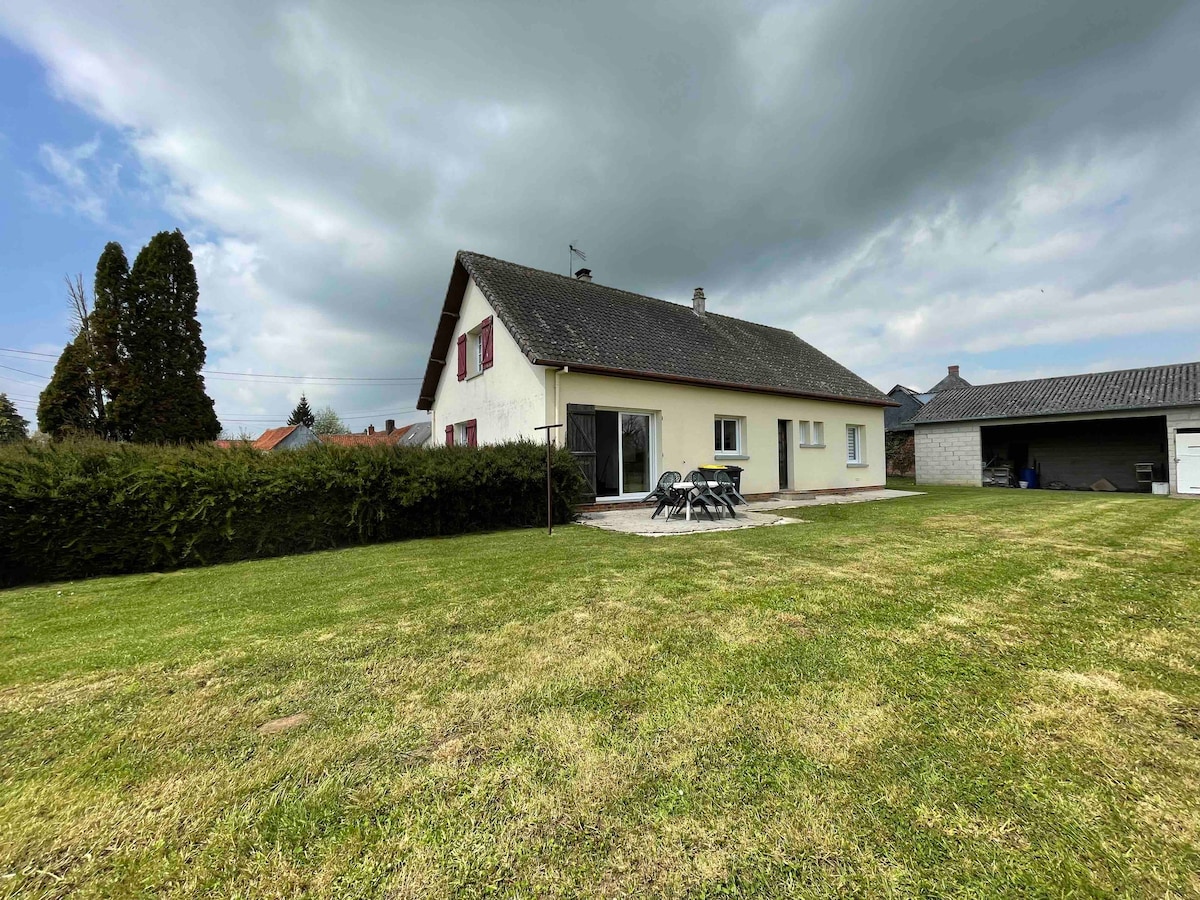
(475, 350)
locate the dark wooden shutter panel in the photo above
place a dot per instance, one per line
(462, 357)
(449, 435)
(472, 440)
(581, 441)
(485, 340)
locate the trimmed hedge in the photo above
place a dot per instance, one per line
(76, 510)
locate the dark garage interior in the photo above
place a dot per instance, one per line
(1074, 455)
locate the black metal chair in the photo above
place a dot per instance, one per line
(700, 494)
(664, 492)
(728, 489)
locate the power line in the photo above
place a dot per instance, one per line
(334, 379)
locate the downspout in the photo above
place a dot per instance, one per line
(558, 372)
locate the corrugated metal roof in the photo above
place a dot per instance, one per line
(1155, 387)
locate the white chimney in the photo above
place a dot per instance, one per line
(698, 302)
(583, 275)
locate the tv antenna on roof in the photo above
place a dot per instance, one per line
(575, 251)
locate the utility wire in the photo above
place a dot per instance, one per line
(260, 375)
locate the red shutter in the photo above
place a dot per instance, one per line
(462, 357)
(449, 435)
(485, 339)
(471, 440)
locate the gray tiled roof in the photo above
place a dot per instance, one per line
(1129, 389)
(558, 320)
(949, 383)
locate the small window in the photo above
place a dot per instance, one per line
(854, 448)
(727, 436)
(465, 433)
(818, 434)
(474, 353)
(802, 434)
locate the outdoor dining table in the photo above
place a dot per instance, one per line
(690, 488)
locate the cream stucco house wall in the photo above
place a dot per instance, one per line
(659, 386)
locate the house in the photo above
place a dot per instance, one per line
(644, 386)
(391, 436)
(289, 437)
(1130, 427)
(901, 454)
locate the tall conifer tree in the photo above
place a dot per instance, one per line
(159, 394)
(12, 424)
(302, 414)
(110, 321)
(67, 405)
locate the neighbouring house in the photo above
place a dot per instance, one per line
(289, 437)
(390, 436)
(416, 435)
(1132, 427)
(901, 453)
(644, 386)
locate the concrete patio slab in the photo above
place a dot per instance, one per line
(636, 518)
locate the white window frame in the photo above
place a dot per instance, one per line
(818, 434)
(802, 433)
(739, 433)
(858, 458)
(475, 351)
(460, 433)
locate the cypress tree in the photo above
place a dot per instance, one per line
(159, 394)
(302, 415)
(12, 424)
(110, 321)
(67, 406)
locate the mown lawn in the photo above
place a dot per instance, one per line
(972, 692)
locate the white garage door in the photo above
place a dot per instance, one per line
(1187, 451)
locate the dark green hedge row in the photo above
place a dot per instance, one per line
(81, 509)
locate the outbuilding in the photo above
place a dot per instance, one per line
(1127, 429)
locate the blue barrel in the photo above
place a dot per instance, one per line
(1029, 476)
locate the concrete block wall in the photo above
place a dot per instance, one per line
(949, 453)
(1176, 419)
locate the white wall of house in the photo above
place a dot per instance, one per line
(507, 400)
(684, 429)
(949, 453)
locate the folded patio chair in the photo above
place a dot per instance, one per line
(729, 489)
(701, 494)
(664, 492)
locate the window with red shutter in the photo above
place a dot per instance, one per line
(462, 357)
(471, 432)
(485, 344)
(449, 435)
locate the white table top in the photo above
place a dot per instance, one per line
(680, 485)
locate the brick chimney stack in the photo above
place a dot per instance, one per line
(698, 302)
(370, 429)
(389, 426)
(953, 370)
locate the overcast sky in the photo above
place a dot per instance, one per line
(1013, 187)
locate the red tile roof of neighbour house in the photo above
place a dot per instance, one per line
(231, 444)
(561, 321)
(370, 439)
(272, 437)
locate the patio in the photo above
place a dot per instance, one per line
(636, 518)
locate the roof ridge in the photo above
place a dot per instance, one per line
(608, 287)
(1076, 375)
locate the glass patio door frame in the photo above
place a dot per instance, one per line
(651, 450)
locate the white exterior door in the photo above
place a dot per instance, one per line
(1187, 452)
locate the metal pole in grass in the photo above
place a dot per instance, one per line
(549, 484)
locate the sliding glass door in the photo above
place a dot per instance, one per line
(635, 453)
(624, 453)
